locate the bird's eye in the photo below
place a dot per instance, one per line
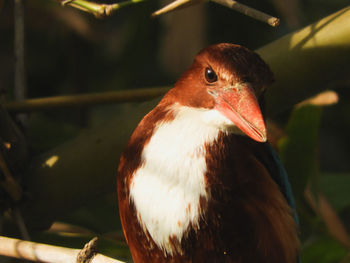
(210, 75)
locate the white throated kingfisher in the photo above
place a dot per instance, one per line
(197, 181)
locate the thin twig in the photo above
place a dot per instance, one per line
(256, 14)
(176, 5)
(33, 251)
(17, 215)
(136, 95)
(98, 10)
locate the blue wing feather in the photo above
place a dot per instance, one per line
(279, 175)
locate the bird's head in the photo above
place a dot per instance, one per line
(231, 80)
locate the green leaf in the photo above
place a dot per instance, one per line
(298, 149)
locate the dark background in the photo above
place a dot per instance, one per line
(68, 51)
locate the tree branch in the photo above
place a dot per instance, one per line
(17, 216)
(16, 248)
(136, 95)
(256, 14)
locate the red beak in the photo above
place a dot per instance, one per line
(240, 105)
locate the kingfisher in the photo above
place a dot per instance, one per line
(198, 181)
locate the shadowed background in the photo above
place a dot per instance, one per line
(71, 52)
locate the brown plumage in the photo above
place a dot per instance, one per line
(241, 216)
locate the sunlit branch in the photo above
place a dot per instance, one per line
(16, 248)
(176, 5)
(256, 14)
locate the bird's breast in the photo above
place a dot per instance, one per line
(169, 187)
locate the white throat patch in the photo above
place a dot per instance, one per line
(166, 189)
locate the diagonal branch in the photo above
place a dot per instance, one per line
(248, 11)
(256, 14)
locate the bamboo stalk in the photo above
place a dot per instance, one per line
(16, 248)
(306, 61)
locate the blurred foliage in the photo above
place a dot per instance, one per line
(298, 149)
(336, 187)
(68, 52)
(324, 249)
